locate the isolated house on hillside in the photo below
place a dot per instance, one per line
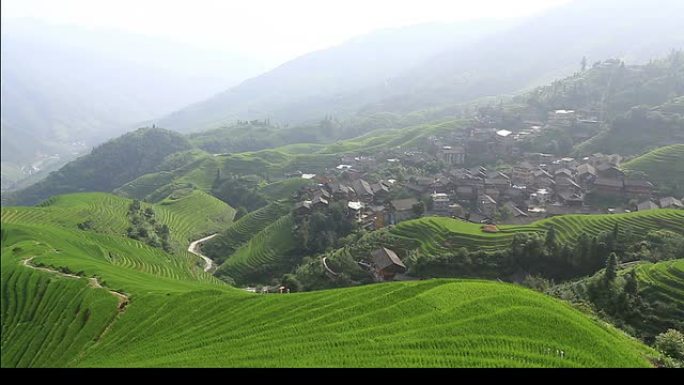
(387, 264)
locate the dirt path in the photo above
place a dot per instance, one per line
(194, 248)
(325, 265)
(94, 283)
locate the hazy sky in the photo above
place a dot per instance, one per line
(270, 29)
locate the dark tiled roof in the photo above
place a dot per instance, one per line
(638, 183)
(384, 258)
(670, 201)
(608, 182)
(647, 205)
(404, 204)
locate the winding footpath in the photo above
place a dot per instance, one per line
(94, 283)
(194, 248)
(325, 265)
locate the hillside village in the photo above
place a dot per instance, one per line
(523, 188)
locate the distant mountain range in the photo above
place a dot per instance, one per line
(407, 69)
(65, 89)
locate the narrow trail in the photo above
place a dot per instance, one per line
(325, 265)
(94, 283)
(194, 248)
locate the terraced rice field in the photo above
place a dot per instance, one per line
(190, 217)
(664, 166)
(196, 169)
(437, 235)
(244, 229)
(419, 324)
(661, 287)
(195, 213)
(267, 247)
(180, 316)
(663, 283)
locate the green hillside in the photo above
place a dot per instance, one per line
(660, 303)
(174, 321)
(189, 217)
(177, 315)
(107, 167)
(663, 166)
(439, 234)
(267, 252)
(244, 229)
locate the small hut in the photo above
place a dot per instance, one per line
(387, 264)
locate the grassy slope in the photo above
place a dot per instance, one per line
(664, 167)
(663, 282)
(265, 250)
(180, 316)
(189, 217)
(244, 229)
(660, 284)
(441, 234)
(430, 235)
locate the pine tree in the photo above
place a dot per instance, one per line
(631, 284)
(611, 267)
(550, 241)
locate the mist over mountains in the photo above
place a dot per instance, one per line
(66, 88)
(413, 71)
(64, 91)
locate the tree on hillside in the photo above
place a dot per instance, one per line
(584, 63)
(419, 208)
(611, 268)
(550, 242)
(632, 284)
(671, 343)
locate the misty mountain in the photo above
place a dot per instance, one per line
(65, 89)
(429, 66)
(544, 48)
(321, 82)
(107, 167)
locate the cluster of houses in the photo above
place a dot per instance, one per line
(367, 203)
(532, 185)
(538, 185)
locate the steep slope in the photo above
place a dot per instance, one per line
(67, 88)
(663, 166)
(243, 230)
(321, 82)
(500, 60)
(549, 46)
(107, 167)
(434, 235)
(173, 321)
(189, 217)
(660, 305)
